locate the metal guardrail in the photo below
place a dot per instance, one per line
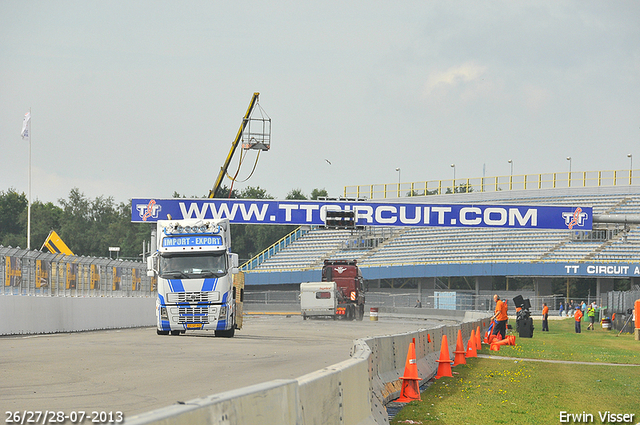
(38, 273)
(495, 184)
(273, 249)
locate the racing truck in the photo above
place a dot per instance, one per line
(195, 269)
(350, 287)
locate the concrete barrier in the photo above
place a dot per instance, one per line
(353, 392)
(274, 402)
(339, 394)
(21, 314)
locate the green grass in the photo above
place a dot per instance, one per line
(496, 391)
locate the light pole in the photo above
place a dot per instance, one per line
(630, 166)
(453, 189)
(511, 175)
(399, 173)
(569, 159)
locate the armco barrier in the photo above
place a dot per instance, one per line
(353, 392)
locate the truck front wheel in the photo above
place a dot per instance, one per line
(226, 334)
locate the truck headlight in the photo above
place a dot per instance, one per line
(223, 311)
(163, 313)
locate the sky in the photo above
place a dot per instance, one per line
(141, 99)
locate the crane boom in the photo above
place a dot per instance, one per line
(213, 192)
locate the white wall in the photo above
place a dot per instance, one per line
(33, 315)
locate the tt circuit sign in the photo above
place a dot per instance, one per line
(261, 211)
(603, 270)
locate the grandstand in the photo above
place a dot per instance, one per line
(437, 252)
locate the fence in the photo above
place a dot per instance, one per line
(495, 184)
(443, 300)
(619, 302)
(44, 274)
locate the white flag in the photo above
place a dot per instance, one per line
(25, 125)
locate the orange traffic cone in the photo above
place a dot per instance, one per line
(459, 357)
(444, 362)
(471, 345)
(478, 339)
(410, 388)
(495, 345)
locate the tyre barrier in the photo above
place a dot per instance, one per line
(352, 392)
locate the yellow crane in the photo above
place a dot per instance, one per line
(255, 140)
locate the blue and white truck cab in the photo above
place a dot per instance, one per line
(195, 268)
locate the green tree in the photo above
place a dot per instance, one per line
(296, 194)
(223, 193)
(254, 193)
(90, 227)
(12, 206)
(44, 218)
(127, 235)
(319, 193)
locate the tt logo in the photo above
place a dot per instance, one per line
(575, 218)
(340, 269)
(149, 210)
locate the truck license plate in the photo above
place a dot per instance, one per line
(194, 325)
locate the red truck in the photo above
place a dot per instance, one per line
(350, 287)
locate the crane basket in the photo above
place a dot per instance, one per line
(257, 133)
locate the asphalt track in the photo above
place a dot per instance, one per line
(135, 370)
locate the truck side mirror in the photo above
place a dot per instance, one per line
(151, 265)
(234, 263)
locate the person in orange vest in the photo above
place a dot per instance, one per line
(578, 317)
(500, 317)
(545, 317)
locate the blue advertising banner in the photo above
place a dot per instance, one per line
(551, 269)
(269, 211)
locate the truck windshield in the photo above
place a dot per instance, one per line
(193, 266)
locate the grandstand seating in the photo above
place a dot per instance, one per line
(428, 245)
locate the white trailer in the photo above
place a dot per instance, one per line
(318, 299)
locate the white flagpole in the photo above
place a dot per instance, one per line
(29, 190)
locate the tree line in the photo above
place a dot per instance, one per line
(90, 226)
